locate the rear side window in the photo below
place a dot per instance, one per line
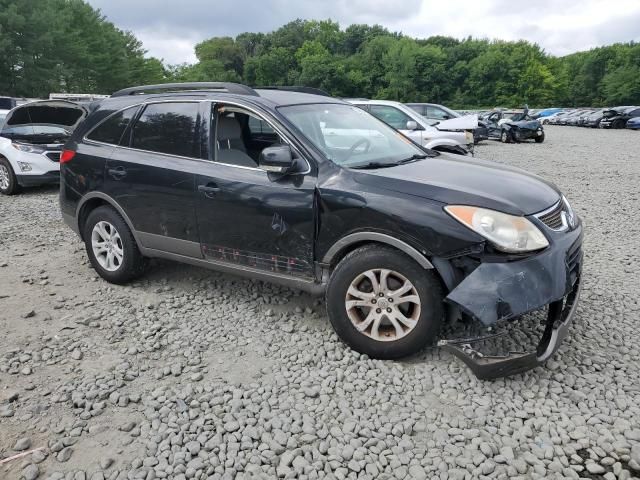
(111, 130)
(168, 128)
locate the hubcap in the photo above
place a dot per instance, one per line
(383, 304)
(4, 177)
(107, 246)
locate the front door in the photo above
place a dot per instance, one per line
(152, 176)
(246, 216)
(398, 119)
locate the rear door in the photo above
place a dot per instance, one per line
(152, 175)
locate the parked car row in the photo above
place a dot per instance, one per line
(613, 117)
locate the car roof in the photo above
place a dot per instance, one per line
(376, 102)
(268, 96)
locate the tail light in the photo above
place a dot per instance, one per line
(67, 156)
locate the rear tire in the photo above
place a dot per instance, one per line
(111, 248)
(540, 139)
(8, 181)
(384, 322)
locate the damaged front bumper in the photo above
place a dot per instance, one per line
(504, 292)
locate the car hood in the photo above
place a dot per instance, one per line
(468, 122)
(452, 180)
(40, 115)
(527, 124)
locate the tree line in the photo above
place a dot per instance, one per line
(66, 45)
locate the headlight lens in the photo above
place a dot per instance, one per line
(28, 148)
(506, 232)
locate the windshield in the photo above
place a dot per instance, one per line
(350, 137)
(2, 117)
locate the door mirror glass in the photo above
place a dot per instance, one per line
(412, 125)
(277, 159)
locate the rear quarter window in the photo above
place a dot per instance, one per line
(111, 130)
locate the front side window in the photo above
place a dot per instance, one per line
(111, 130)
(241, 136)
(169, 128)
(348, 136)
(437, 113)
(391, 116)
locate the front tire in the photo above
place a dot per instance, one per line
(505, 137)
(111, 248)
(382, 303)
(540, 139)
(8, 181)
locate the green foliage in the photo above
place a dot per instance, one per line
(370, 61)
(66, 45)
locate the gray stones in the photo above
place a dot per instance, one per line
(64, 454)
(22, 444)
(183, 376)
(31, 472)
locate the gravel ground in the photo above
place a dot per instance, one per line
(193, 374)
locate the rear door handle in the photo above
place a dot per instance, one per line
(209, 190)
(117, 173)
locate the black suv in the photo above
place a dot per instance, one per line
(317, 194)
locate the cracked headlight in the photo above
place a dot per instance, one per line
(506, 232)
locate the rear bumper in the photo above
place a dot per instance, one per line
(49, 178)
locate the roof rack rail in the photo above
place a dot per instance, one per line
(188, 86)
(300, 89)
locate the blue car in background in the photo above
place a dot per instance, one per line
(547, 112)
(634, 123)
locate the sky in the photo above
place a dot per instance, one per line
(170, 29)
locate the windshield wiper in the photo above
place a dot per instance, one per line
(412, 158)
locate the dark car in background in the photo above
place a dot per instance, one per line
(634, 123)
(514, 126)
(618, 117)
(593, 120)
(397, 237)
(434, 111)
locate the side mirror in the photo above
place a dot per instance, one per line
(412, 125)
(446, 116)
(276, 159)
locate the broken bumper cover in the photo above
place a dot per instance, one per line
(497, 292)
(488, 367)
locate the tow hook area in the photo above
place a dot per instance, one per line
(490, 366)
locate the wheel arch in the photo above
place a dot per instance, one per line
(94, 200)
(352, 241)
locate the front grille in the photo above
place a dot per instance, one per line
(54, 156)
(553, 218)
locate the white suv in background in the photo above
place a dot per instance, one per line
(31, 140)
(421, 130)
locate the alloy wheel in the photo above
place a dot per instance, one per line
(383, 304)
(107, 246)
(4, 177)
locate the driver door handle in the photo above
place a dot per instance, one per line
(117, 173)
(209, 190)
